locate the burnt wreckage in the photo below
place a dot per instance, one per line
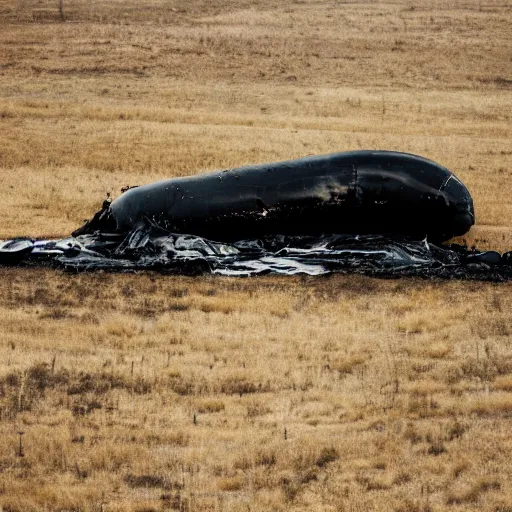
(376, 212)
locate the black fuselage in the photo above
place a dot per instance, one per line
(354, 192)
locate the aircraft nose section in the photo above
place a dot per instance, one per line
(462, 223)
(459, 197)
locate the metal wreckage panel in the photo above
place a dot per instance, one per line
(372, 212)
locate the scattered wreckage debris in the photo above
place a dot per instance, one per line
(373, 212)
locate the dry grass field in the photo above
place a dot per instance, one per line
(154, 393)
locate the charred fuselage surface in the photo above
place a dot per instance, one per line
(359, 192)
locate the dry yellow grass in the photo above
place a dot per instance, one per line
(144, 392)
(303, 393)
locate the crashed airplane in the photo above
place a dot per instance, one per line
(375, 212)
(359, 192)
